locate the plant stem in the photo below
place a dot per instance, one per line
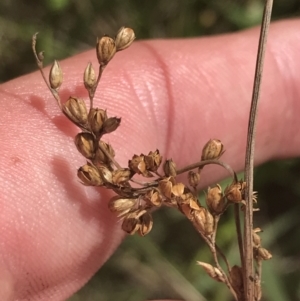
(237, 219)
(39, 63)
(93, 90)
(249, 161)
(201, 164)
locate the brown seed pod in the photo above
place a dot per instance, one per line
(138, 165)
(100, 157)
(122, 205)
(204, 221)
(236, 276)
(154, 198)
(110, 125)
(189, 199)
(146, 223)
(89, 175)
(177, 189)
(256, 239)
(215, 201)
(124, 38)
(121, 176)
(105, 174)
(105, 50)
(75, 110)
(213, 149)
(96, 119)
(235, 192)
(153, 160)
(85, 144)
(89, 76)
(132, 222)
(170, 168)
(55, 76)
(212, 271)
(262, 254)
(165, 187)
(194, 178)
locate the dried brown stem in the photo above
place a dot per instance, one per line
(108, 155)
(226, 280)
(201, 164)
(39, 63)
(224, 258)
(258, 280)
(216, 221)
(249, 161)
(214, 250)
(237, 219)
(93, 90)
(219, 251)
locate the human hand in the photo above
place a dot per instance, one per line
(171, 94)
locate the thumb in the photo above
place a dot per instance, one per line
(173, 95)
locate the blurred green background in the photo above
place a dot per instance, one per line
(162, 265)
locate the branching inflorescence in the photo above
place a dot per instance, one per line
(135, 201)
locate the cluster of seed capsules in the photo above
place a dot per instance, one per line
(135, 201)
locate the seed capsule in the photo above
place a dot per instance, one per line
(55, 76)
(138, 165)
(234, 192)
(204, 221)
(213, 149)
(89, 175)
(101, 156)
(110, 125)
(178, 189)
(263, 254)
(153, 160)
(121, 176)
(165, 187)
(170, 168)
(193, 178)
(130, 223)
(96, 119)
(212, 271)
(146, 223)
(105, 174)
(117, 204)
(154, 198)
(215, 200)
(256, 239)
(105, 49)
(89, 77)
(75, 110)
(85, 144)
(124, 38)
(236, 275)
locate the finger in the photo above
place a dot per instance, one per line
(171, 95)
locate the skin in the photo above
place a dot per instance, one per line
(171, 94)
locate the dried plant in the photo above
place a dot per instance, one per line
(135, 201)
